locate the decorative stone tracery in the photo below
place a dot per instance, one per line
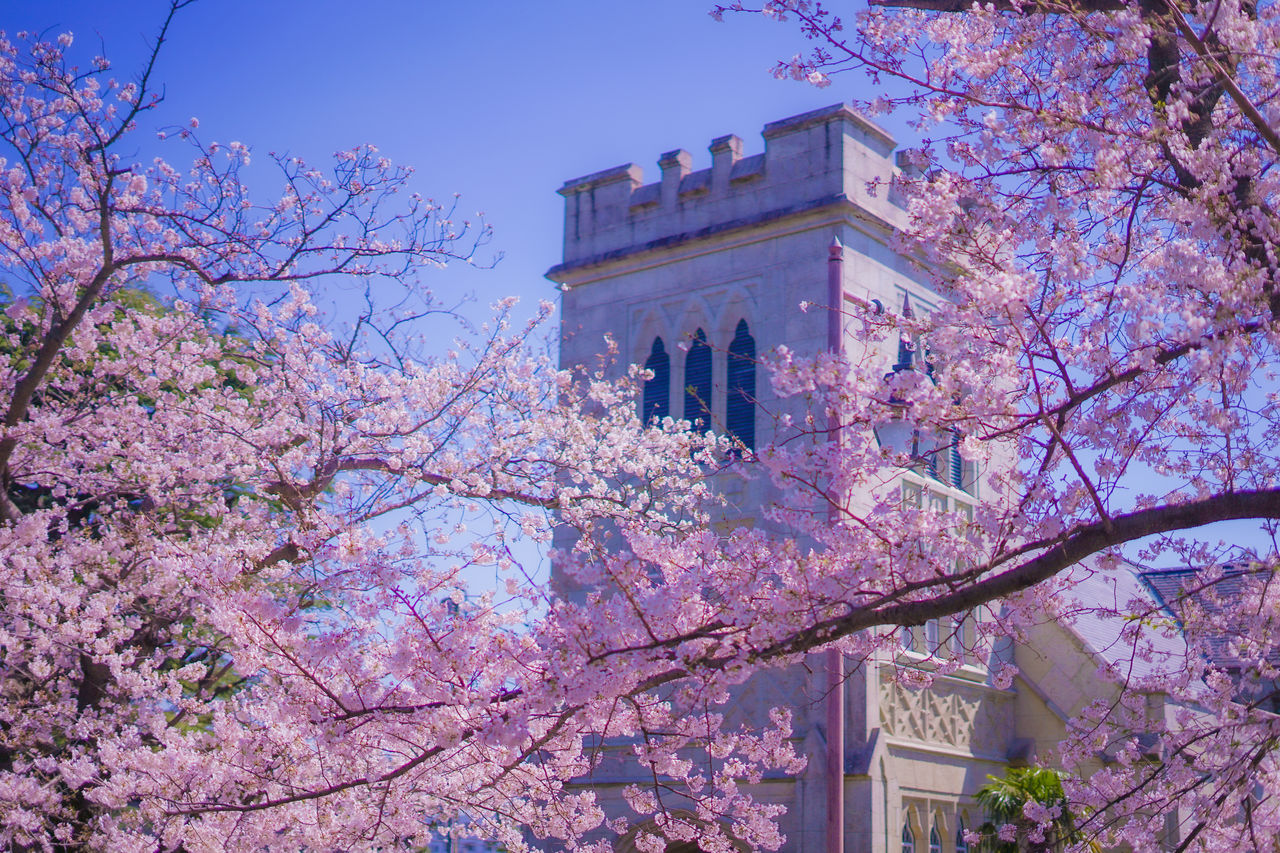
(969, 717)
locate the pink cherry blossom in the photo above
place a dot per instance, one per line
(238, 539)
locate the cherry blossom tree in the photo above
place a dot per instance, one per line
(1096, 184)
(236, 539)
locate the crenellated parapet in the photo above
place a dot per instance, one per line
(824, 157)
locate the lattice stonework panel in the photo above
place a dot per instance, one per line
(974, 718)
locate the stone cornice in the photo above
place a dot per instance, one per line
(837, 202)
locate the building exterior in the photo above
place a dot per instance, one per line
(692, 276)
(462, 845)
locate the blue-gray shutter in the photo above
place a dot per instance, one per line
(956, 462)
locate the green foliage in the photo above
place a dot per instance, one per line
(1004, 799)
(75, 382)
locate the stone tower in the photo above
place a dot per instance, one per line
(692, 276)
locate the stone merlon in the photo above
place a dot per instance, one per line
(826, 156)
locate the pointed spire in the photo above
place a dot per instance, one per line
(906, 347)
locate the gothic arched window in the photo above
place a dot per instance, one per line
(697, 383)
(740, 404)
(935, 841)
(962, 846)
(908, 838)
(657, 390)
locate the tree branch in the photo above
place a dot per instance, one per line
(1071, 548)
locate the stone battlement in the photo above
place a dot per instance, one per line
(826, 156)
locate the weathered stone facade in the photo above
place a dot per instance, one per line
(746, 240)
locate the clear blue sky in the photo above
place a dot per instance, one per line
(499, 100)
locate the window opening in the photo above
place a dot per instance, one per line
(697, 383)
(657, 390)
(955, 465)
(908, 839)
(958, 624)
(740, 409)
(935, 841)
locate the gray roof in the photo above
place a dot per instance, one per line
(1098, 609)
(1218, 595)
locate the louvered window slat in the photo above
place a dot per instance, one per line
(955, 462)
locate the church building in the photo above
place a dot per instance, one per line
(695, 275)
